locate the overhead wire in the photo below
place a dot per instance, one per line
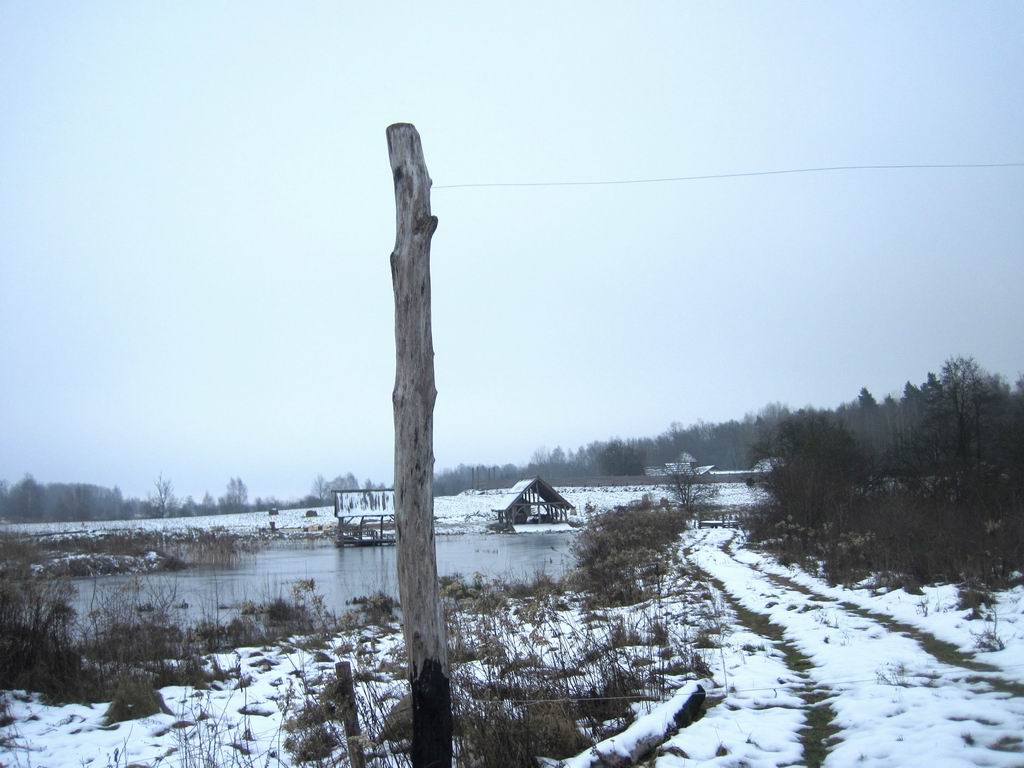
(736, 175)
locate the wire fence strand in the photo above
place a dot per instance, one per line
(737, 175)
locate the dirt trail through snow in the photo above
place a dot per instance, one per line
(899, 696)
(940, 650)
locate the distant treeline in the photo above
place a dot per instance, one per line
(31, 501)
(904, 432)
(961, 421)
(727, 445)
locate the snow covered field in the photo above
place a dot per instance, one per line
(470, 511)
(800, 671)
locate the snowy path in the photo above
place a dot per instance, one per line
(933, 616)
(757, 721)
(893, 702)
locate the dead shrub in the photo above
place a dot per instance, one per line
(132, 630)
(314, 732)
(519, 699)
(377, 609)
(622, 556)
(301, 612)
(17, 553)
(243, 630)
(621, 634)
(281, 611)
(312, 735)
(77, 555)
(539, 586)
(496, 734)
(974, 600)
(37, 643)
(133, 698)
(659, 632)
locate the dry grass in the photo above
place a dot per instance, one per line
(37, 638)
(131, 633)
(80, 555)
(624, 556)
(541, 669)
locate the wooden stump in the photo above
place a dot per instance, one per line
(348, 713)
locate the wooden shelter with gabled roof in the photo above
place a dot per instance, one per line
(532, 501)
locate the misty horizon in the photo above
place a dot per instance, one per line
(357, 480)
(198, 212)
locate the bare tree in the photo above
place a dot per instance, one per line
(692, 491)
(321, 488)
(344, 482)
(162, 498)
(967, 389)
(236, 497)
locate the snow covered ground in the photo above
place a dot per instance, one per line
(202, 727)
(265, 688)
(799, 672)
(470, 511)
(241, 523)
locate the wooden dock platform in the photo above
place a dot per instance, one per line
(366, 531)
(705, 520)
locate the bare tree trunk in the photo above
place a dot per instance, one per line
(414, 395)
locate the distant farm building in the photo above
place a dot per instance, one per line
(532, 501)
(687, 465)
(766, 465)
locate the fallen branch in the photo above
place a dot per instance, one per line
(643, 735)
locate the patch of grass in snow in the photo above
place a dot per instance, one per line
(127, 551)
(973, 600)
(1008, 744)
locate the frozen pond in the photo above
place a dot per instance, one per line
(340, 574)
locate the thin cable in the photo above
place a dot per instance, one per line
(823, 169)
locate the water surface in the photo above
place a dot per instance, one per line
(339, 574)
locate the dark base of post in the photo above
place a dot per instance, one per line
(431, 718)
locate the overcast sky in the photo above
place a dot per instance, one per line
(196, 215)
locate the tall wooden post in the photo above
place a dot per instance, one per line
(414, 395)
